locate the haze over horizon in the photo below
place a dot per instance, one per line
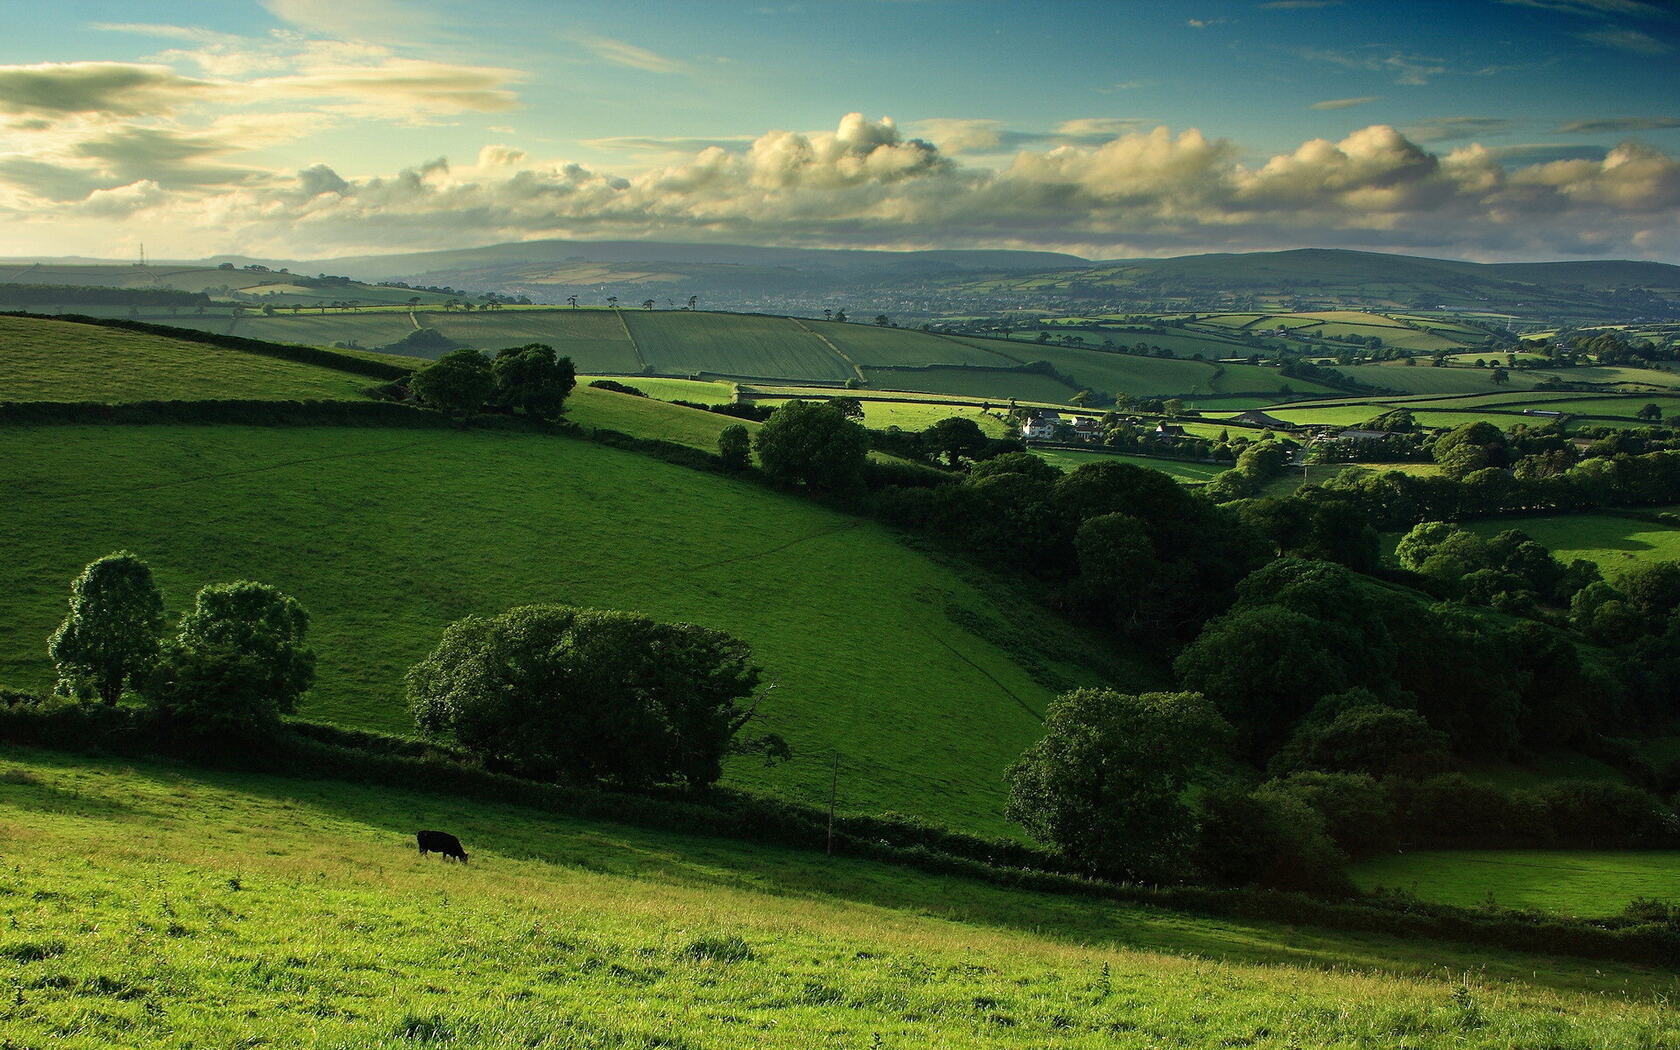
(1490, 130)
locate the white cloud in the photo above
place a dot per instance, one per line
(867, 183)
(109, 88)
(1345, 103)
(621, 53)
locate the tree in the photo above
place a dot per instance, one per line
(587, 694)
(1651, 413)
(459, 382)
(956, 438)
(735, 448)
(532, 378)
(1500, 377)
(111, 633)
(813, 444)
(1270, 839)
(693, 301)
(612, 301)
(647, 304)
(828, 315)
(572, 299)
(237, 663)
(1105, 785)
(840, 315)
(882, 320)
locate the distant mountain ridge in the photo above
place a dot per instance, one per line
(909, 283)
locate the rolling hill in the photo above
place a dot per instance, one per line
(149, 904)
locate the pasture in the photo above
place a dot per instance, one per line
(45, 360)
(386, 536)
(1183, 470)
(1587, 883)
(1611, 541)
(148, 904)
(682, 343)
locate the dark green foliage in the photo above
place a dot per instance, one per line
(532, 379)
(422, 342)
(1268, 838)
(1366, 737)
(555, 691)
(957, 438)
(1105, 785)
(813, 444)
(1358, 814)
(258, 622)
(111, 633)
(458, 383)
(735, 448)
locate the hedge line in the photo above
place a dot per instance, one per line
(284, 351)
(311, 750)
(250, 413)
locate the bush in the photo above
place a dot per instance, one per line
(735, 448)
(1358, 814)
(1270, 839)
(555, 691)
(458, 383)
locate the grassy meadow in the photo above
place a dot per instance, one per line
(386, 536)
(1588, 883)
(1612, 541)
(1183, 470)
(152, 905)
(44, 360)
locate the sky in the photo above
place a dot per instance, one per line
(309, 129)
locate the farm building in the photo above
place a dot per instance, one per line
(1255, 417)
(1040, 426)
(1165, 430)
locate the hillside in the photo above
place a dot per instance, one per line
(388, 535)
(1318, 279)
(48, 360)
(255, 284)
(785, 351)
(300, 914)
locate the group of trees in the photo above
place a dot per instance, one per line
(236, 662)
(531, 379)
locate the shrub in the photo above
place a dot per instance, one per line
(814, 445)
(458, 383)
(1269, 839)
(735, 448)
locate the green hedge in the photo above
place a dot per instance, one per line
(284, 351)
(250, 413)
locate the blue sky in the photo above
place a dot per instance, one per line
(1482, 128)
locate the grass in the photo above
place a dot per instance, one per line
(683, 343)
(1574, 882)
(650, 418)
(148, 905)
(42, 360)
(995, 384)
(1612, 541)
(699, 391)
(387, 536)
(1183, 470)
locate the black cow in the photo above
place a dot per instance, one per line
(440, 842)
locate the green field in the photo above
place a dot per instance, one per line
(42, 360)
(1183, 470)
(151, 905)
(1612, 541)
(869, 345)
(993, 384)
(649, 417)
(699, 391)
(1573, 882)
(682, 343)
(388, 535)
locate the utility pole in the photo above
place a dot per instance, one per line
(833, 794)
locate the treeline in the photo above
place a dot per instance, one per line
(27, 295)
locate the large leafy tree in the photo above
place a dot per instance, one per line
(111, 633)
(238, 661)
(459, 382)
(1105, 786)
(956, 438)
(587, 694)
(532, 378)
(814, 444)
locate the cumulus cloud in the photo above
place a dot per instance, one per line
(867, 183)
(109, 88)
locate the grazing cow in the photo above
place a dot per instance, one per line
(440, 842)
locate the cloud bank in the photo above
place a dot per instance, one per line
(1104, 188)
